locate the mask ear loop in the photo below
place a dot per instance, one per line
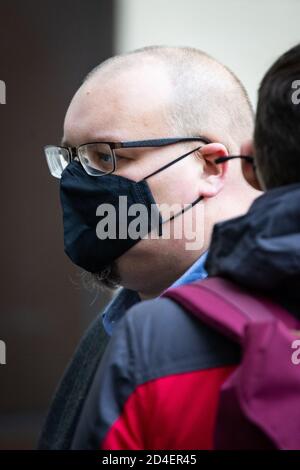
(206, 141)
(170, 163)
(185, 209)
(248, 158)
(164, 168)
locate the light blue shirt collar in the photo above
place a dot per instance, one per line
(194, 273)
(126, 298)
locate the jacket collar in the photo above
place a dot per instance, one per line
(126, 298)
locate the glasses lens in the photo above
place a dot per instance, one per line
(57, 159)
(96, 158)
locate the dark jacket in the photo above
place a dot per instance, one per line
(158, 384)
(158, 378)
(62, 419)
(261, 250)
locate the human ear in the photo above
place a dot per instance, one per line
(213, 174)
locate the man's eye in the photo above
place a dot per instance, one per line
(99, 160)
(104, 157)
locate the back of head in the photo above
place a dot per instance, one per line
(277, 126)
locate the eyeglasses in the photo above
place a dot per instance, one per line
(247, 159)
(99, 159)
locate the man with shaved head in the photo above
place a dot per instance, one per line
(144, 129)
(166, 92)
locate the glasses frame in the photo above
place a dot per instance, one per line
(247, 158)
(74, 152)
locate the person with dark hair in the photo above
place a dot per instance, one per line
(158, 385)
(272, 222)
(277, 126)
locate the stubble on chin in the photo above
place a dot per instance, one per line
(107, 278)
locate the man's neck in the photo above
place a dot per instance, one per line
(193, 272)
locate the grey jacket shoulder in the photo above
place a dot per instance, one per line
(168, 339)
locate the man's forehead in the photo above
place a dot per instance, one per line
(106, 106)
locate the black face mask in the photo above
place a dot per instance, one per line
(81, 194)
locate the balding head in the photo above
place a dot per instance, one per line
(160, 92)
(201, 95)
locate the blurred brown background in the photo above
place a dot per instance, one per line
(46, 49)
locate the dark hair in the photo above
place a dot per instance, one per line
(277, 126)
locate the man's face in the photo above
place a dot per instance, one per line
(135, 105)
